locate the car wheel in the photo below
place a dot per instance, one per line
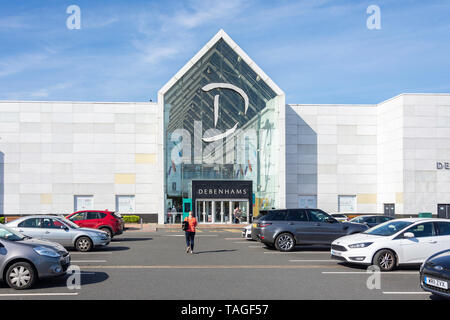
(83, 244)
(284, 242)
(20, 276)
(108, 231)
(385, 260)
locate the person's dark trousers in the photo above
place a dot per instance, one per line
(190, 239)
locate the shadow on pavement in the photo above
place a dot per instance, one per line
(87, 278)
(214, 251)
(304, 248)
(102, 249)
(130, 239)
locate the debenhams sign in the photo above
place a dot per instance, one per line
(443, 165)
(222, 189)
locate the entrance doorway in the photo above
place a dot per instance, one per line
(389, 209)
(444, 211)
(222, 211)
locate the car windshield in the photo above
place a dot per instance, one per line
(388, 228)
(357, 219)
(68, 223)
(8, 234)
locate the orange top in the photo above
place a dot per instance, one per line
(192, 224)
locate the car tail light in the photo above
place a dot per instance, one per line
(263, 224)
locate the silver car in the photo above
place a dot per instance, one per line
(60, 230)
(23, 260)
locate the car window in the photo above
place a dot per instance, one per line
(297, 215)
(318, 216)
(101, 215)
(422, 230)
(48, 223)
(371, 220)
(91, 215)
(384, 219)
(444, 228)
(276, 215)
(9, 234)
(357, 220)
(30, 223)
(78, 216)
(388, 228)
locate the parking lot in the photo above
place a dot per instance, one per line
(154, 265)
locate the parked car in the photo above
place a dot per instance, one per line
(23, 260)
(247, 232)
(395, 242)
(108, 221)
(435, 274)
(286, 228)
(371, 220)
(60, 230)
(340, 217)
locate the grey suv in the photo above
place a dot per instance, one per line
(286, 228)
(23, 260)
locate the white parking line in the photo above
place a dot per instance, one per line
(366, 272)
(182, 235)
(312, 260)
(82, 253)
(246, 242)
(87, 261)
(37, 294)
(256, 246)
(233, 238)
(298, 252)
(424, 292)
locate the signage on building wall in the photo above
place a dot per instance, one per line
(443, 165)
(222, 189)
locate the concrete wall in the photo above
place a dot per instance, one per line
(426, 141)
(333, 152)
(390, 154)
(55, 150)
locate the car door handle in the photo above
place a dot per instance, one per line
(433, 241)
(47, 232)
(290, 223)
(20, 230)
(317, 224)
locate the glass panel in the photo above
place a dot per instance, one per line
(211, 132)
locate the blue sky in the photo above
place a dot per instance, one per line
(317, 51)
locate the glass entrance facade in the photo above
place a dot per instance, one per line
(221, 123)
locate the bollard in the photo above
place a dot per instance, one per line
(142, 227)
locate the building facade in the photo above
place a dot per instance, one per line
(222, 136)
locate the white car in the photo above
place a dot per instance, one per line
(247, 232)
(395, 242)
(340, 217)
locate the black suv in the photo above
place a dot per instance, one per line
(286, 228)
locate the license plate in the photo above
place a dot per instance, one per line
(436, 283)
(335, 253)
(255, 225)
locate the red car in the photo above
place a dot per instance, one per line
(107, 221)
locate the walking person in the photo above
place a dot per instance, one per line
(191, 224)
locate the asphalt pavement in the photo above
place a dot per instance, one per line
(155, 265)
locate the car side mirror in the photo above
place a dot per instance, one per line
(408, 235)
(1, 245)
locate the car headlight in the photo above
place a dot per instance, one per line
(360, 245)
(102, 236)
(43, 251)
